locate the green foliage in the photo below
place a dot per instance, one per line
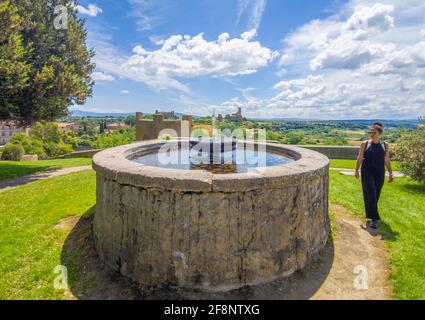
(203, 121)
(57, 149)
(31, 145)
(13, 152)
(410, 151)
(102, 127)
(87, 127)
(130, 120)
(46, 140)
(276, 136)
(71, 138)
(85, 140)
(336, 141)
(42, 70)
(118, 138)
(48, 132)
(295, 137)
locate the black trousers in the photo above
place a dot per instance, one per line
(372, 183)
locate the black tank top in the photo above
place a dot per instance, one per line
(374, 156)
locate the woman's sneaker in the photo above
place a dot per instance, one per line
(374, 224)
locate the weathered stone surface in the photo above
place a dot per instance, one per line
(213, 232)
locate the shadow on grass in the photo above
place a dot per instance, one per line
(90, 279)
(12, 171)
(385, 231)
(415, 188)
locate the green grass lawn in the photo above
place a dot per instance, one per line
(402, 209)
(31, 246)
(351, 164)
(14, 169)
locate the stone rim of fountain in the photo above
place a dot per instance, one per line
(264, 226)
(117, 165)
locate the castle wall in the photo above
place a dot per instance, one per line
(150, 130)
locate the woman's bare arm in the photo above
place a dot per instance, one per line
(360, 159)
(388, 162)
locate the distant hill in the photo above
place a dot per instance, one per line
(80, 113)
(365, 122)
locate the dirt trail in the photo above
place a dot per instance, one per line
(357, 250)
(331, 278)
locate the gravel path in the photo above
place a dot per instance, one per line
(350, 172)
(16, 182)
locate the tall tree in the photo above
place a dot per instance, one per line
(43, 69)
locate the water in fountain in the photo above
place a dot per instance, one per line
(217, 155)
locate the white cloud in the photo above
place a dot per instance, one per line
(422, 32)
(372, 18)
(146, 13)
(366, 61)
(101, 76)
(256, 10)
(92, 10)
(125, 91)
(188, 57)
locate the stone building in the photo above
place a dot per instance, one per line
(235, 117)
(8, 129)
(168, 115)
(150, 130)
(111, 128)
(71, 126)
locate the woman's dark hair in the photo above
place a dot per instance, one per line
(379, 126)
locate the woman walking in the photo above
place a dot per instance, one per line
(373, 157)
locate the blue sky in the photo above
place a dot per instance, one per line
(274, 58)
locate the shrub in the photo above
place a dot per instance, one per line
(118, 138)
(13, 152)
(295, 137)
(57, 149)
(85, 140)
(31, 145)
(410, 151)
(71, 139)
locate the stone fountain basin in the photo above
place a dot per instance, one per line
(207, 231)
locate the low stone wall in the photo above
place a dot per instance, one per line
(336, 152)
(83, 154)
(30, 157)
(201, 230)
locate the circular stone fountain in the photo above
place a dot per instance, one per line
(207, 230)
